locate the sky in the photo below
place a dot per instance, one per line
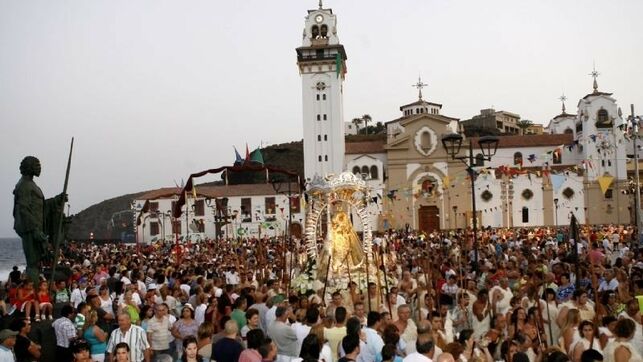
(153, 90)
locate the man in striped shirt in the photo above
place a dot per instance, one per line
(133, 335)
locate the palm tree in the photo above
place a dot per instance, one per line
(357, 122)
(524, 124)
(366, 118)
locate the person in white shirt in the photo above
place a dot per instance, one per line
(425, 349)
(374, 341)
(609, 283)
(303, 329)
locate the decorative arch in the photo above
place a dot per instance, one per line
(356, 170)
(315, 31)
(426, 141)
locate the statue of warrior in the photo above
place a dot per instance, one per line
(35, 219)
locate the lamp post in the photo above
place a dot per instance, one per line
(636, 120)
(452, 143)
(556, 213)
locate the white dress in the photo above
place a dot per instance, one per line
(480, 328)
(608, 354)
(586, 344)
(553, 315)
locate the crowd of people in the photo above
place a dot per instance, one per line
(521, 295)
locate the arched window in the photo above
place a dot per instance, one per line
(319, 158)
(324, 31)
(603, 119)
(428, 186)
(315, 31)
(525, 215)
(356, 170)
(570, 131)
(365, 171)
(518, 158)
(318, 137)
(479, 159)
(326, 158)
(374, 175)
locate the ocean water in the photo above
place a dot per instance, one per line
(10, 254)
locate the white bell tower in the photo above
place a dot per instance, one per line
(322, 65)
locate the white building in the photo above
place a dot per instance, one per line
(322, 65)
(253, 210)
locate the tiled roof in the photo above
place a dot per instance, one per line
(420, 102)
(532, 140)
(216, 191)
(353, 148)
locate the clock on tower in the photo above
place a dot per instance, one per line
(322, 65)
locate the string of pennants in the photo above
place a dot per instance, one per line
(556, 178)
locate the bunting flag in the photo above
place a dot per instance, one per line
(338, 65)
(557, 181)
(247, 153)
(446, 181)
(256, 156)
(532, 158)
(237, 157)
(604, 182)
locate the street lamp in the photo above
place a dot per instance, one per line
(636, 121)
(452, 143)
(556, 212)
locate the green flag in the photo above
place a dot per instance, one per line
(256, 156)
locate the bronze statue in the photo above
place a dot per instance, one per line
(36, 219)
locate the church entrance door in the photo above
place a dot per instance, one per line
(429, 218)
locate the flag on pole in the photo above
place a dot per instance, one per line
(256, 156)
(237, 156)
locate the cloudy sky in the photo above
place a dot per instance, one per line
(154, 90)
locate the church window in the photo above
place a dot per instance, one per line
(602, 119)
(318, 97)
(325, 137)
(315, 31)
(609, 194)
(609, 163)
(479, 160)
(525, 215)
(326, 158)
(486, 195)
(374, 173)
(319, 158)
(603, 163)
(199, 208)
(154, 228)
(320, 54)
(324, 31)
(319, 117)
(365, 172)
(356, 170)
(324, 97)
(425, 138)
(568, 193)
(569, 130)
(318, 137)
(325, 117)
(517, 158)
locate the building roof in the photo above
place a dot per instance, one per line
(216, 191)
(353, 148)
(539, 140)
(420, 102)
(597, 93)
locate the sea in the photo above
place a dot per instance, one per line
(11, 255)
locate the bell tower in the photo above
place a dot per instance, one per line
(322, 65)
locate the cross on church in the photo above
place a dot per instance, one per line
(419, 85)
(595, 75)
(563, 99)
